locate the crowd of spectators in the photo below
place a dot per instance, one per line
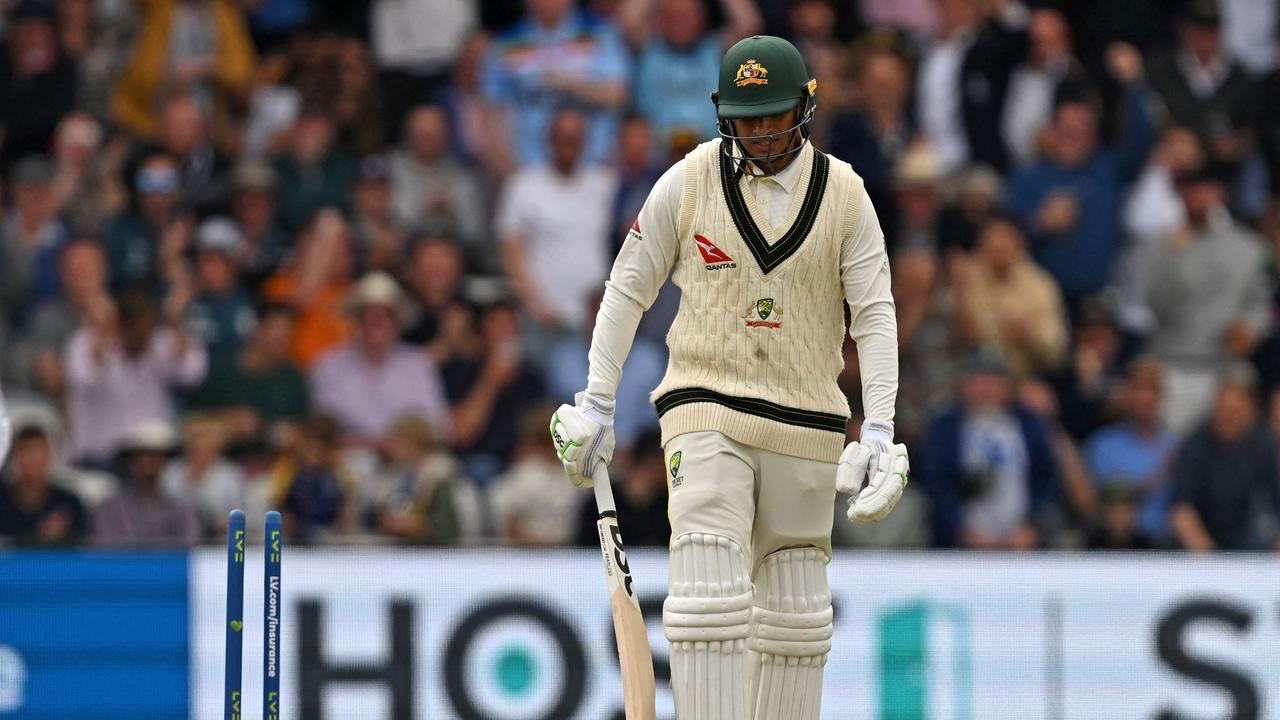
(342, 258)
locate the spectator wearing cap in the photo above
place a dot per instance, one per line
(977, 199)
(1070, 202)
(379, 236)
(257, 390)
(1008, 302)
(253, 207)
(988, 467)
(30, 238)
(1210, 294)
(374, 379)
(37, 81)
(917, 185)
(140, 514)
(678, 61)
(196, 47)
(911, 234)
(1130, 460)
(315, 283)
(1226, 490)
(314, 173)
(1204, 88)
(36, 358)
(431, 189)
(133, 239)
(555, 55)
(553, 222)
(120, 367)
(221, 314)
(34, 510)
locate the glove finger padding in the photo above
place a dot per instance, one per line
(852, 470)
(888, 480)
(567, 438)
(580, 443)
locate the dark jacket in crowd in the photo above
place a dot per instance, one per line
(1233, 486)
(996, 52)
(942, 472)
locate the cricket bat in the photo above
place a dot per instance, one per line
(634, 656)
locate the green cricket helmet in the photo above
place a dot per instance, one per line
(760, 76)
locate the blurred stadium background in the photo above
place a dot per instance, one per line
(341, 258)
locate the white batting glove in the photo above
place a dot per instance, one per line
(583, 436)
(884, 467)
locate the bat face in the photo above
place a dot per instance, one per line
(634, 655)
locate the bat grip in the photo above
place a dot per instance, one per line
(604, 493)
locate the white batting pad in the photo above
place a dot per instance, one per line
(791, 635)
(707, 616)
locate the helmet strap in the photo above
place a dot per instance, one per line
(803, 126)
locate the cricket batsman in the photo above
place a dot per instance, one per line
(768, 238)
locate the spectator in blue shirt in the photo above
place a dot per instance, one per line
(677, 69)
(1129, 462)
(556, 55)
(1070, 201)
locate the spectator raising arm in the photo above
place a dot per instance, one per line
(1125, 65)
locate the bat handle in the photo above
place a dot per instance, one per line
(604, 493)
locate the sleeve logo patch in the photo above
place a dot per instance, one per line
(714, 257)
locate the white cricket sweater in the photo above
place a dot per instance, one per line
(756, 344)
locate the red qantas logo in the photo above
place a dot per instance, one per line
(714, 257)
